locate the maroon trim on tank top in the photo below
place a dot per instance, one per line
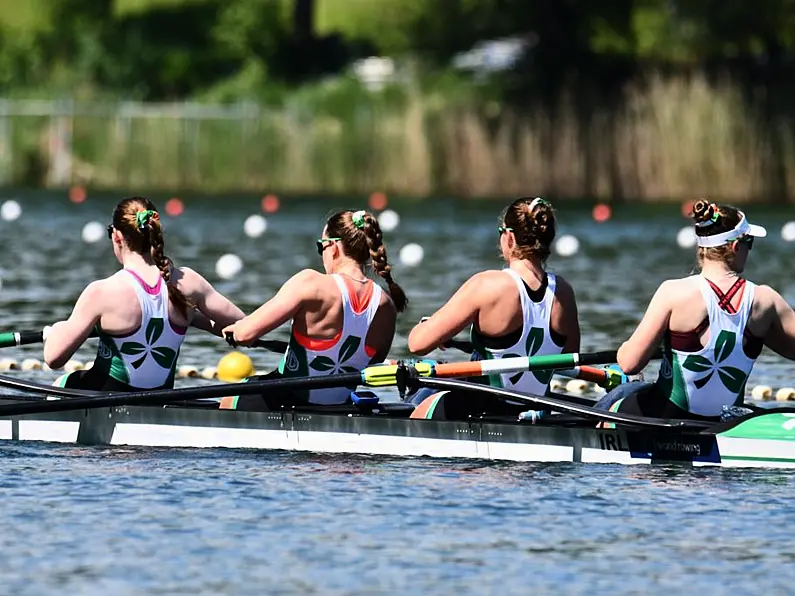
(690, 341)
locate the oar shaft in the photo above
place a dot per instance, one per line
(162, 396)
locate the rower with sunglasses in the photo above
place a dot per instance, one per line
(141, 313)
(341, 320)
(712, 326)
(521, 310)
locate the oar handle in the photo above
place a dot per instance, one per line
(20, 338)
(273, 345)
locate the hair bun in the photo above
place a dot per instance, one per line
(705, 212)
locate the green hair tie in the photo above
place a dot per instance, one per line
(358, 219)
(143, 216)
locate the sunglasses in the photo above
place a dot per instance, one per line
(321, 244)
(502, 229)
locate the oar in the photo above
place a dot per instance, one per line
(373, 376)
(10, 339)
(563, 406)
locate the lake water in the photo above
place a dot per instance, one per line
(128, 521)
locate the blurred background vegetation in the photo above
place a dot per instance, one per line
(618, 99)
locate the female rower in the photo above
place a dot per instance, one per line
(712, 326)
(521, 310)
(141, 313)
(341, 320)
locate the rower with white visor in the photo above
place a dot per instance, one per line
(712, 326)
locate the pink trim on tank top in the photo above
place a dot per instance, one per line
(154, 291)
(151, 290)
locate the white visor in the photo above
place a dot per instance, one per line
(743, 228)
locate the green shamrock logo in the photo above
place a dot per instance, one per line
(348, 349)
(163, 356)
(732, 378)
(534, 341)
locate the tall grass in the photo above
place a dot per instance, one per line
(669, 138)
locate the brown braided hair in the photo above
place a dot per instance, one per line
(534, 230)
(366, 244)
(147, 239)
(710, 219)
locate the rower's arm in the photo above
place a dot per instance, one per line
(780, 336)
(635, 353)
(569, 321)
(65, 337)
(292, 296)
(217, 309)
(449, 320)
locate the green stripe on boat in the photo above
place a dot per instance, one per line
(778, 427)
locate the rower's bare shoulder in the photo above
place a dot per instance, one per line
(492, 279)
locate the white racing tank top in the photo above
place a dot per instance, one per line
(715, 376)
(343, 354)
(535, 340)
(147, 357)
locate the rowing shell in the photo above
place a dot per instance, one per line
(758, 440)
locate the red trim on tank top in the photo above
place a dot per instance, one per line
(359, 305)
(316, 344)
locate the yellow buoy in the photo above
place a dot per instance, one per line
(235, 367)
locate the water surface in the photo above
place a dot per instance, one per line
(172, 521)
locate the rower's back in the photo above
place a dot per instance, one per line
(140, 313)
(712, 326)
(525, 310)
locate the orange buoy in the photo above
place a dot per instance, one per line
(270, 203)
(77, 194)
(377, 201)
(601, 212)
(174, 207)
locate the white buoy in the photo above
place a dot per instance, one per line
(761, 393)
(388, 220)
(209, 373)
(30, 364)
(577, 386)
(567, 245)
(686, 237)
(556, 385)
(788, 231)
(228, 266)
(10, 210)
(93, 232)
(255, 226)
(785, 394)
(411, 255)
(187, 371)
(72, 366)
(88, 365)
(7, 364)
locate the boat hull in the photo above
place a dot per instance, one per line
(384, 435)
